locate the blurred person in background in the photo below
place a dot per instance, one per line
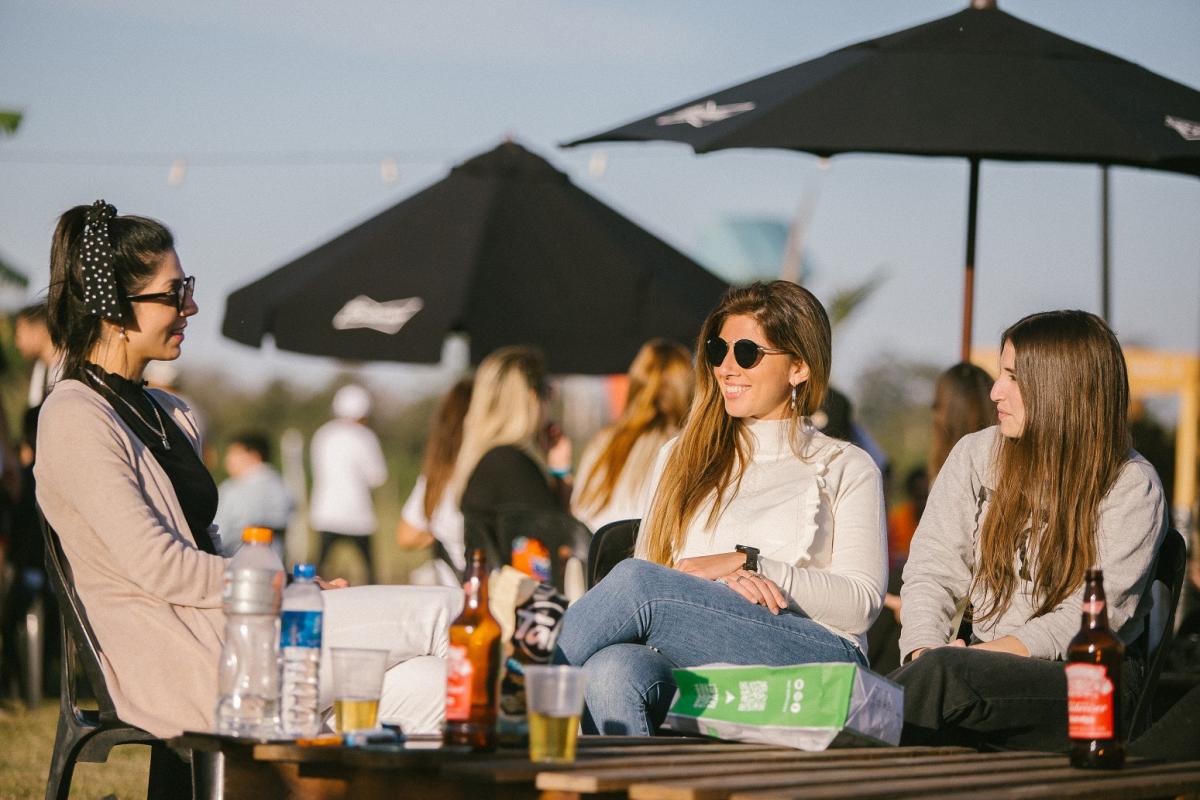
(615, 468)
(430, 517)
(347, 464)
(27, 557)
(253, 495)
(510, 454)
(32, 338)
(961, 405)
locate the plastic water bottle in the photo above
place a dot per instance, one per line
(248, 675)
(300, 644)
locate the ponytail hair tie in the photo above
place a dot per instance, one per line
(99, 278)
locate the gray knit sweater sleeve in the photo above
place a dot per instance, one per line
(941, 558)
(1132, 520)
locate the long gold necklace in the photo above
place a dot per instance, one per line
(162, 428)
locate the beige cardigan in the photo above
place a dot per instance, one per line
(153, 598)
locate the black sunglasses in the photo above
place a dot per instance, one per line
(177, 297)
(745, 352)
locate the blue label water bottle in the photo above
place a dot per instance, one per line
(300, 644)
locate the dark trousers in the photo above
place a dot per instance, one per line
(363, 543)
(977, 698)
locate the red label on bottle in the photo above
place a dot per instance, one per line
(1089, 702)
(1093, 606)
(459, 673)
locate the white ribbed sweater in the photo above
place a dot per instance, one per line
(818, 521)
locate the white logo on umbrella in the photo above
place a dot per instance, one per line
(1184, 127)
(705, 113)
(388, 317)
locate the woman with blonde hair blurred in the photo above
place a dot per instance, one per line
(764, 540)
(961, 405)
(503, 459)
(614, 471)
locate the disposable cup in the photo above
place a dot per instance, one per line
(357, 684)
(554, 701)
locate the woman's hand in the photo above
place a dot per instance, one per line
(755, 588)
(711, 567)
(920, 650)
(336, 583)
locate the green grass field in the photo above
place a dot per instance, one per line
(28, 738)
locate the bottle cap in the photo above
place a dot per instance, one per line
(258, 535)
(304, 571)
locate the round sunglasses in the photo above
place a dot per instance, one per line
(746, 353)
(178, 297)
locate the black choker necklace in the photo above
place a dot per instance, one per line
(161, 431)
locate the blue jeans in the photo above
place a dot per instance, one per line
(644, 619)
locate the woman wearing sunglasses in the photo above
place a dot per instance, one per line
(765, 540)
(120, 480)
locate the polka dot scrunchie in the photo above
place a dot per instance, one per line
(99, 279)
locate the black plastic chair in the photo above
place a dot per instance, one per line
(89, 735)
(612, 544)
(1170, 567)
(563, 536)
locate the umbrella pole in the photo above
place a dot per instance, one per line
(1105, 255)
(969, 278)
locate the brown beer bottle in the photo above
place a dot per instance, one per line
(1094, 684)
(473, 669)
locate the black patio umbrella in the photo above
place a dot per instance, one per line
(980, 83)
(505, 249)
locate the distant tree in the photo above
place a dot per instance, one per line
(9, 121)
(894, 398)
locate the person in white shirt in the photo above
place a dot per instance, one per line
(430, 517)
(765, 540)
(614, 472)
(32, 338)
(253, 495)
(347, 463)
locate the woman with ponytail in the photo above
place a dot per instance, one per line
(1016, 516)
(120, 480)
(615, 468)
(764, 541)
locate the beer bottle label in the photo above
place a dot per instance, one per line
(1089, 702)
(459, 672)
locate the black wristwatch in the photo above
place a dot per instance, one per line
(751, 564)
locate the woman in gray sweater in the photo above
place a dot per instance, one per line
(1017, 514)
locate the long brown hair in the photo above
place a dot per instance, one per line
(961, 404)
(701, 467)
(1050, 480)
(660, 389)
(445, 437)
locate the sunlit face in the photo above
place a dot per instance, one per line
(156, 331)
(763, 391)
(1006, 394)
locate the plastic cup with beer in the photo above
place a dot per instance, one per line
(357, 684)
(554, 700)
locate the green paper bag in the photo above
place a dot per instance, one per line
(807, 706)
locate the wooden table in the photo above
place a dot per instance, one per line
(675, 769)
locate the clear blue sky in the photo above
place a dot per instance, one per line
(114, 91)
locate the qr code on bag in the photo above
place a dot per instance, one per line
(706, 696)
(752, 695)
